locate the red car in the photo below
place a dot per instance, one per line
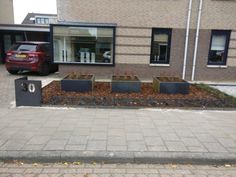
(30, 56)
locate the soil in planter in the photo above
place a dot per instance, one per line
(78, 76)
(102, 96)
(170, 79)
(125, 78)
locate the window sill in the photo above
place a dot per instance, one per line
(165, 65)
(217, 66)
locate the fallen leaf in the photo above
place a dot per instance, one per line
(86, 175)
(35, 164)
(77, 163)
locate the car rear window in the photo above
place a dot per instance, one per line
(24, 47)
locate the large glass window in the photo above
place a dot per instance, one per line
(85, 45)
(160, 50)
(218, 47)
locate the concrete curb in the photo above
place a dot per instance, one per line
(119, 157)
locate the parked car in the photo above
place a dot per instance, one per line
(30, 56)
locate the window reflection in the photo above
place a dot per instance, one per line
(83, 44)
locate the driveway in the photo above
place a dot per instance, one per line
(7, 88)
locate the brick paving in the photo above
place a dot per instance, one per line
(114, 170)
(128, 134)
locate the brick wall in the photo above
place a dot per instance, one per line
(6, 12)
(135, 20)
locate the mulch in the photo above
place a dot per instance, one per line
(102, 96)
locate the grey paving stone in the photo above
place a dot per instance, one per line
(116, 148)
(232, 150)
(191, 141)
(52, 124)
(116, 132)
(215, 147)
(169, 137)
(99, 128)
(132, 129)
(184, 134)
(66, 128)
(2, 142)
(157, 148)
(13, 145)
(136, 146)
(55, 145)
(37, 140)
(227, 142)
(114, 140)
(175, 146)
(134, 136)
(150, 132)
(61, 135)
(33, 147)
(96, 145)
(81, 132)
(44, 131)
(79, 147)
(98, 135)
(151, 141)
(197, 149)
(206, 138)
(78, 140)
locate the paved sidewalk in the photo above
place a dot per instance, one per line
(113, 135)
(118, 135)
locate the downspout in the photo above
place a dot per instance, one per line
(186, 39)
(196, 40)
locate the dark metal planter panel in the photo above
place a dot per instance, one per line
(28, 92)
(77, 85)
(170, 87)
(174, 88)
(123, 86)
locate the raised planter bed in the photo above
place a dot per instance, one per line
(125, 84)
(199, 96)
(170, 85)
(78, 83)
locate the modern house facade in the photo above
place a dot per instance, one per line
(192, 39)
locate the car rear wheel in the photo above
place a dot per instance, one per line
(12, 71)
(45, 70)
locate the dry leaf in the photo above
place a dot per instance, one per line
(35, 164)
(77, 163)
(86, 175)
